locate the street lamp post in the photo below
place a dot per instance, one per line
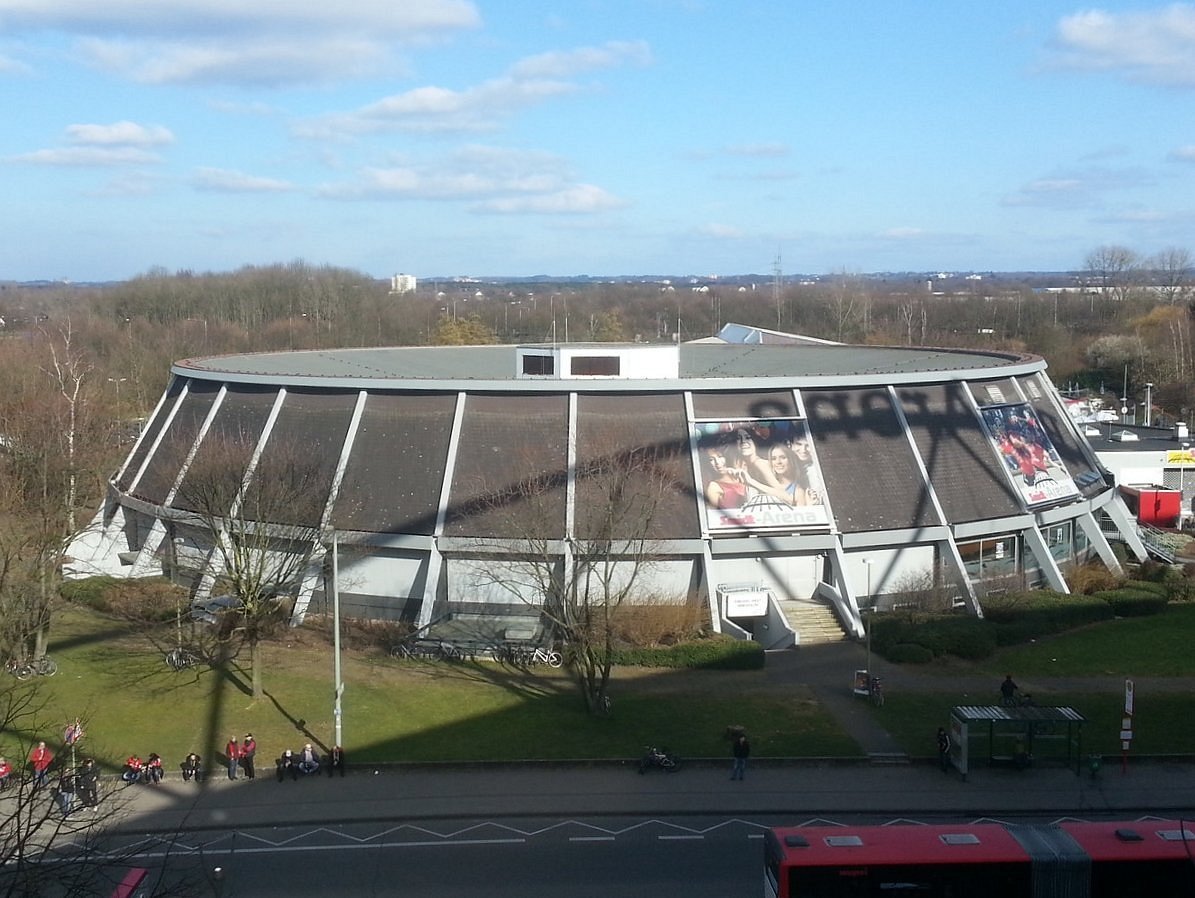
(1148, 404)
(867, 624)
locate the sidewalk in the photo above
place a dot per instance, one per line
(795, 791)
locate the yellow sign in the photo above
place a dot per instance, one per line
(1180, 457)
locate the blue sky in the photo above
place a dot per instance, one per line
(599, 137)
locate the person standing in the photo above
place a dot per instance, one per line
(233, 753)
(5, 773)
(89, 784)
(248, 751)
(65, 791)
(740, 752)
(40, 759)
(1008, 691)
(943, 749)
(336, 760)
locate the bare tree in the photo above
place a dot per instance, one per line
(44, 851)
(579, 583)
(1174, 273)
(260, 514)
(1111, 270)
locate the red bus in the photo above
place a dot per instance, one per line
(982, 860)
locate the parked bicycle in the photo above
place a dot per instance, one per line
(44, 666)
(181, 658)
(660, 759)
(525, 656)
(875, 689)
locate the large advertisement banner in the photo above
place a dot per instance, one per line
(1030, 459)
(759, 475)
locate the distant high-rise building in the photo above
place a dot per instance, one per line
(403, 283)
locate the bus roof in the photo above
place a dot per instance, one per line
(899, 843)
(1135, 841)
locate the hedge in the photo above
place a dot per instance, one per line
(1132, 601)
(713, 653)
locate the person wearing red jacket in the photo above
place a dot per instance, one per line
(248, 752)
(5, 773)
(40, 759)
(132, 769)
(232, 751)
(153, 769)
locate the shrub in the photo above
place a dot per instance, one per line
(1090, 578)
(1134, 601)
(138, 599)
(91, 591)
(712, 653)
(909, 653)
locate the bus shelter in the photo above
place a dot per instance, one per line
(1017, 737)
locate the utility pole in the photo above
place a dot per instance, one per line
(776, 282)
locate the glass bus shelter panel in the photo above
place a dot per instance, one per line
(1085, 474)
(223, 457)
(870, 471)
(152, 429)
(744, 406)
(165, 464)
(305, 443)
(967, 476)
(633, 450)
(394, 475)
(511, 474)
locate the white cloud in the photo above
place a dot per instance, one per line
(409, 19)
(1154, 46)
(224, 181)
(720, 231)
(482, 107)
(767, 149)
(493, 179)
(270, 42)
(84, 156)
(567, 63)
(1183, 154)
(902, 233)
(576, 200)
(120, 134)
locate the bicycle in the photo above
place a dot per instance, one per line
(550, 657)
(44, 666)
(875, 690)
(181, 658)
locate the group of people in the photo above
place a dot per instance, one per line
(759, 463)
(307, 761)
(147, 771)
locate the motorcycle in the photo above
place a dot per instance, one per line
(659, 758)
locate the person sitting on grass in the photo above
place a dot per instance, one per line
(286, 765)
(153, 769)
(308, 759)
(192, 768)
(133, 768)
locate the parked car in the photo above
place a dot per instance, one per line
(208, 610)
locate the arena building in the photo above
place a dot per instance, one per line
(801, 477)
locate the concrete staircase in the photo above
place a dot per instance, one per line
(814, 624)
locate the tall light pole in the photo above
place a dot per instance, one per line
(338, 738)
(867, 624)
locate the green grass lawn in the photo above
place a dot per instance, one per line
(130, 701)
(114, 678)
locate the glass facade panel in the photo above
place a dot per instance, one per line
(1061, 431)
(313, 425)
(633, 457)
(737, 406)
(152, 428)
(511, 468)
(227, 447)
(968, 477)
(871, 475)
(165, 464)
(394, 476)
